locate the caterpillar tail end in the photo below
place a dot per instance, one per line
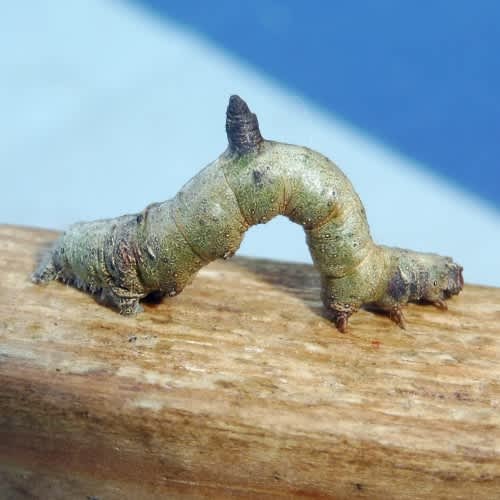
(45, 271)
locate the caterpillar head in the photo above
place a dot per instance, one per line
(443, 280)
(424, 277)
(435, 279)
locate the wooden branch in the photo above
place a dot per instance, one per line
(240, 387)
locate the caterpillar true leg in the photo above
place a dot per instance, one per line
(440, 304)
(396, 315)
(158, 251)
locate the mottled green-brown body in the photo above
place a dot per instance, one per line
(160, 249)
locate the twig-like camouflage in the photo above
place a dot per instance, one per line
(159, 250)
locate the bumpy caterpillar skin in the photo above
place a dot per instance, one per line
(159, 250)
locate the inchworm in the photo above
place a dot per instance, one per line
(159, 250)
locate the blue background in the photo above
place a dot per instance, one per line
(108, 106)
(424, 77)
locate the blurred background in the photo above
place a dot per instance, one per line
(108, 106)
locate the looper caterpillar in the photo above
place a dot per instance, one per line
(158, 251)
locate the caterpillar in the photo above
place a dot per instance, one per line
(159, 250)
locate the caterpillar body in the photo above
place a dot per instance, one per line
(159, 250)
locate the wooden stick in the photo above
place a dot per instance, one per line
(240, 387)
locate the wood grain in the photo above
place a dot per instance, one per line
(240, 387)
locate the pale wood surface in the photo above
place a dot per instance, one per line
(240, 387)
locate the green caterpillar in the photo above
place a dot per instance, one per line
(159, 250)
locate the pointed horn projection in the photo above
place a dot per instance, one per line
(242, 127)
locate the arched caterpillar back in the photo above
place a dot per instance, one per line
(159, 250)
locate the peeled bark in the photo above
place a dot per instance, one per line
(240, 387)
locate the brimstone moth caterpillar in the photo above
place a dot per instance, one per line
(158, 251)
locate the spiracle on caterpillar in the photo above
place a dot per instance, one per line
(158, 251)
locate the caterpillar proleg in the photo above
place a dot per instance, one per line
(159, 250)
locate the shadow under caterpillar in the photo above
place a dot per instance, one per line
(159, 250)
